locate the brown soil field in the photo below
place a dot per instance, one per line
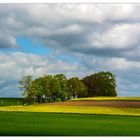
(120, 104)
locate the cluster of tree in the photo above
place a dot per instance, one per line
(49, 88)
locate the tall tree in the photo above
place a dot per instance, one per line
(38, 89)
(42, 88)
(48, 86)
(101, 84)
(76, 87)
(60, 87)
(26, 87)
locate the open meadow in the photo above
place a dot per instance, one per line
(73, 118)
(53, 124)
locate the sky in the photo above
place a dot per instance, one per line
(73, 39)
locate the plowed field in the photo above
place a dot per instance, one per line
(120, 104)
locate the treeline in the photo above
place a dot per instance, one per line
(50, 88)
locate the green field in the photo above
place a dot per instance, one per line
(27, 123)
(11, 101)
(107, 99)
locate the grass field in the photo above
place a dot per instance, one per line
(27, 123)
(74, 109)
(108, 99)
(11, 101)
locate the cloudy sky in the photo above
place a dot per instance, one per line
(74, 39)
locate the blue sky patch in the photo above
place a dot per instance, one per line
(28, 46)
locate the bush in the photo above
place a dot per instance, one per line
(58, 100)
(50, 100)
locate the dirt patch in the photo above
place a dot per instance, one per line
(120, 104)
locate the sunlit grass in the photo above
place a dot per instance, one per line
(108, 99)
(73, 109)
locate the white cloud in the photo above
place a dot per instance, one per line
(122, 64)
(120, 36)
(15, 65)
(92, 27)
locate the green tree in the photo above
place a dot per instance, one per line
(101, 84)
(26, 87)
(42, 88)
(60, 87)
(77, 87)
(48, 87)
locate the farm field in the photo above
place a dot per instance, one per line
(94, 117)
(98, 103)
(11, 101)
(105, 107)
(74, 109)
(52, 124)
(108, 99)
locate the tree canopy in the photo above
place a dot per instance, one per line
(77, 88)
(101, 84)
(49, 88)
